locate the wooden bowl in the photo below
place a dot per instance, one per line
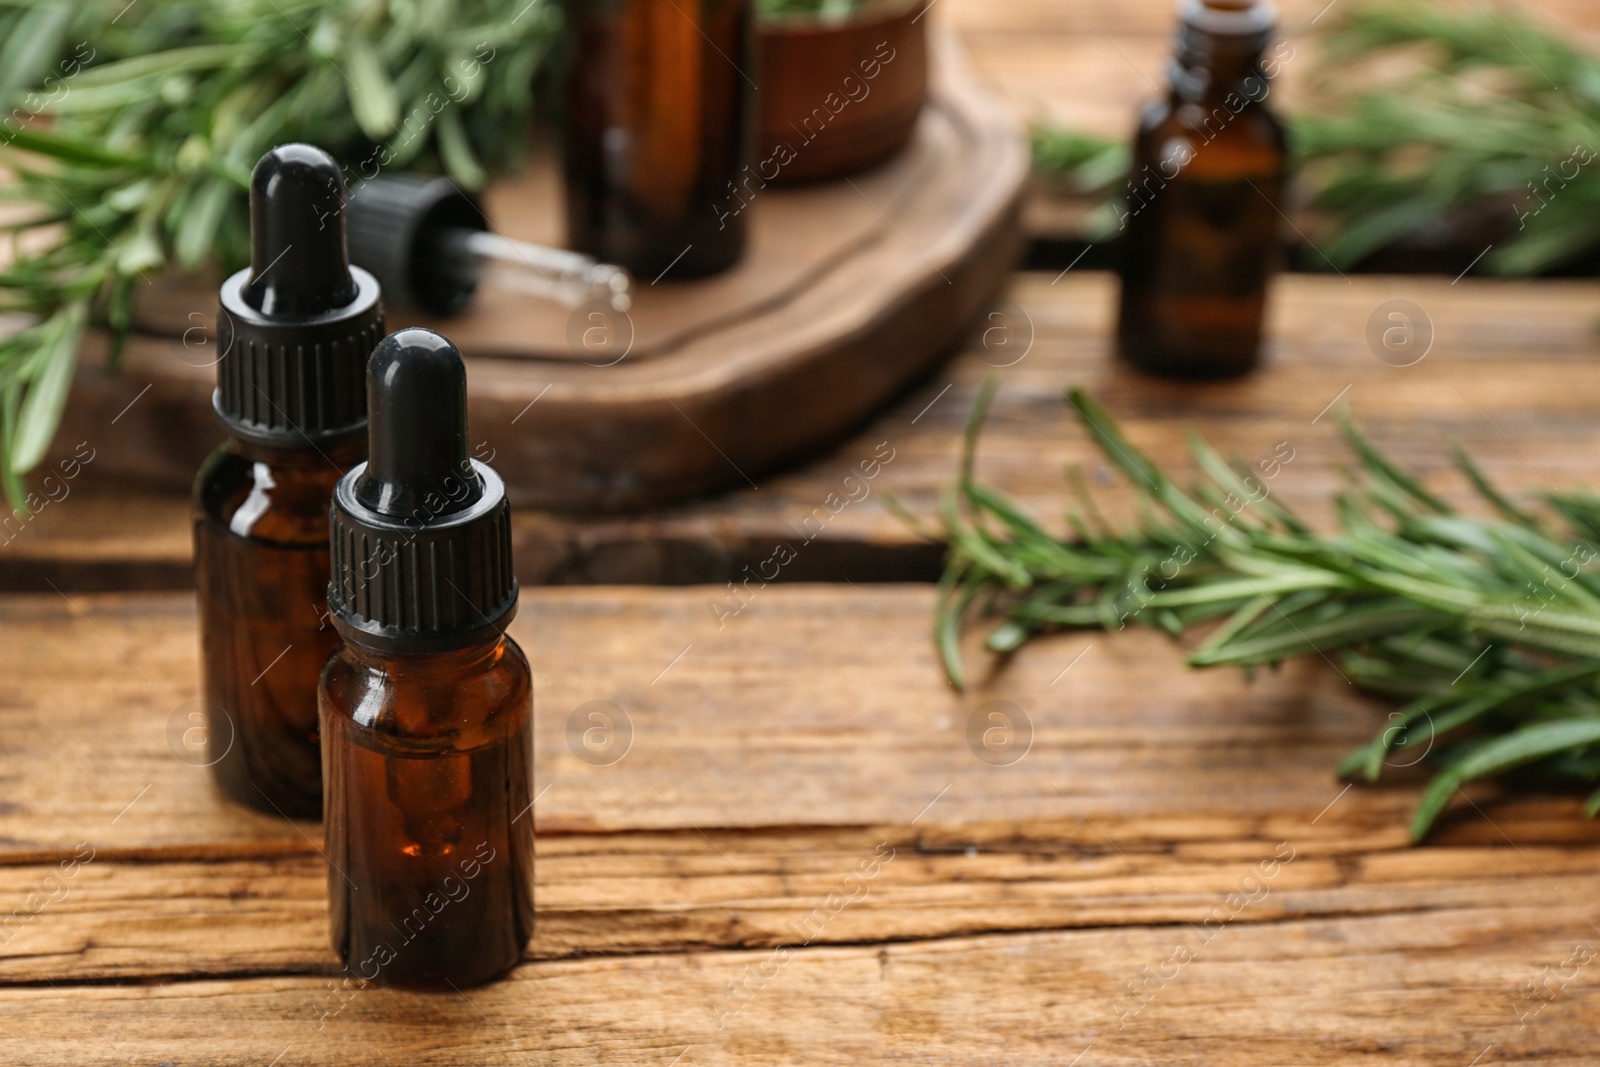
(839, 97)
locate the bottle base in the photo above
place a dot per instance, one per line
(1192, 367)
(686, 262)
(443, 983)
(1160, 343)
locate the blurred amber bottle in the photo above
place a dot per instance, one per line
(659, 121)
(295, 331)
(261, 562)
(1204, 198)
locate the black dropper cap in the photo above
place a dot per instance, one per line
(298, 324)
(1211, 30)
(396, 221)
(421, 534)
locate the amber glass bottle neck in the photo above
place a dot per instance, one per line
(1214, 84)
(430, 665)
(341, 453)
(1219, 51)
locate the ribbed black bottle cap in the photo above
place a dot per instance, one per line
(421, 534)
(395, 223)
(298, 324)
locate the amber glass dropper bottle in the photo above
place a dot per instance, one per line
(659, 122)
(295, 331)
(1204, 199)
(427, 708)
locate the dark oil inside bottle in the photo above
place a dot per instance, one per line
(429, 822)
(1205, 197)
(261, 550)
(658, 128)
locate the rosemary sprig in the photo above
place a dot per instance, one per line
(1488, 628)
(1493, 112)
(129, 131)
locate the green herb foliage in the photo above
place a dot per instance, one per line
(1488, 629)
(824, 9)
(1422, 114)
(1495, 111)
(130, 131)
(1083, 165)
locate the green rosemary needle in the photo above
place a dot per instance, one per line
(1488, 628)
(128, 131)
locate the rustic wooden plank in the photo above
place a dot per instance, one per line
(104, 536)
(96, 534)
(108, 917)
(1513, 375)
(758, 779)
(816, 706)
(1433, 990)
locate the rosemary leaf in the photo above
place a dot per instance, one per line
(131, 130)
(1516, 749)
(1488, 626)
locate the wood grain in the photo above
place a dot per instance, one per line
(774, 751)
(117, 917)
(1346, 991)
(815, 706)
(770, 760)
(819, 706)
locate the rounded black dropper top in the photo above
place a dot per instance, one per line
(420, 533)
(299, 264)
(417, 417)
(296, 327)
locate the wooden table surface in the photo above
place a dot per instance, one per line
(1169, 875)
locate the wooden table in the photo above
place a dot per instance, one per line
(1170, 875)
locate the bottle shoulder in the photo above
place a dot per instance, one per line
(1210, 140)
(455, 700)
(1229, 117)
(262, 497)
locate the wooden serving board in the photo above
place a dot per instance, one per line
(849, 291)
